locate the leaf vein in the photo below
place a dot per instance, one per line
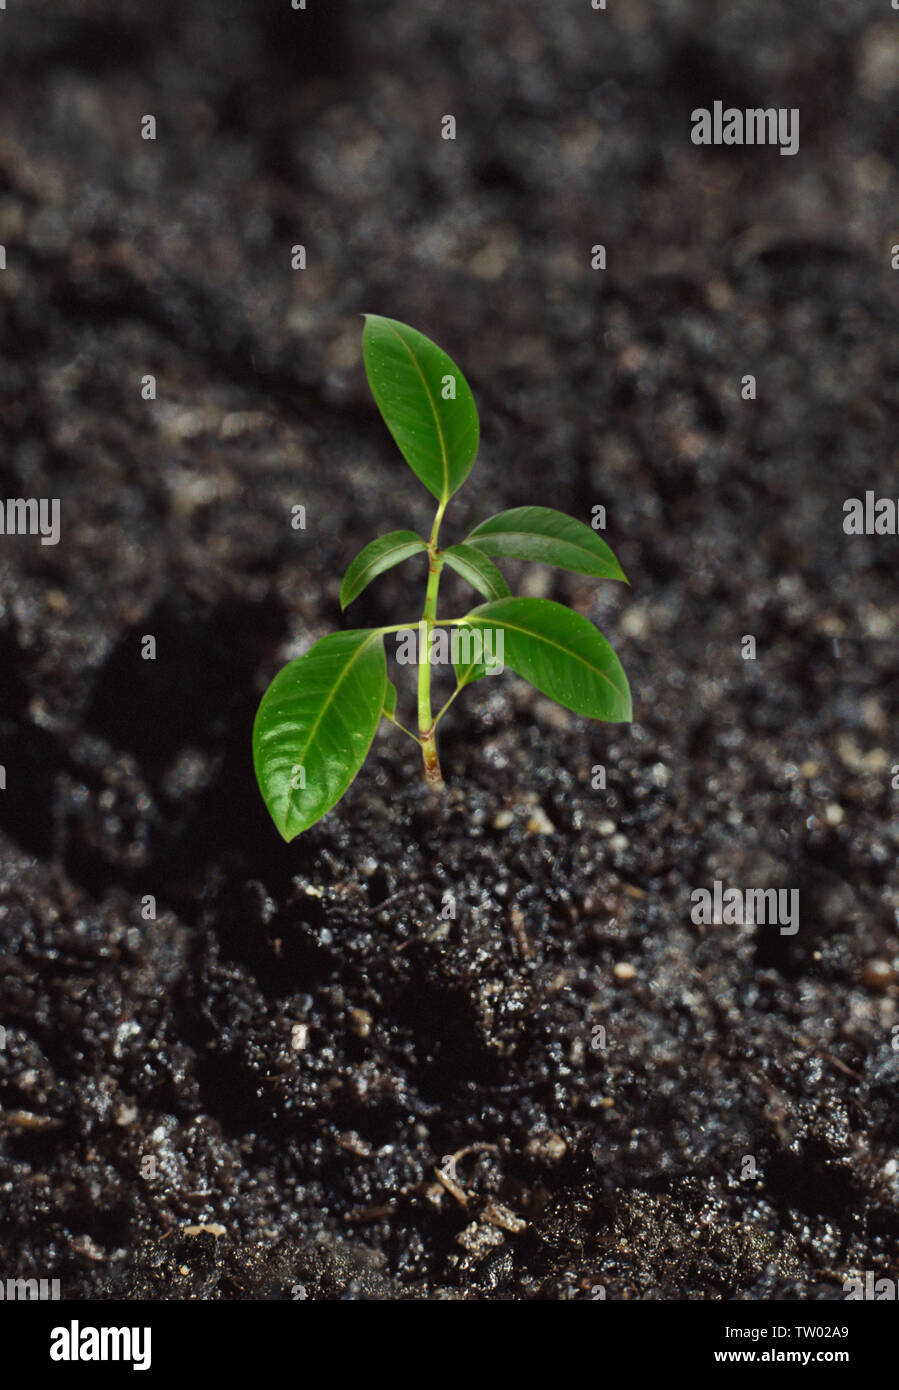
(363, 646)
(528, 632)
(444, 457)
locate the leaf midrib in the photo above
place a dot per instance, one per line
(444, 456)
(463, 561)
(312, 732)
(539, 636)
(419, 546)
(536, 535)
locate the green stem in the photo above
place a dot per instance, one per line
(414, 737)
(426, 723)
(447, 705)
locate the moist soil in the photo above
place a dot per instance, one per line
(473, 1048)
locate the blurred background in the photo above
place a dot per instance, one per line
(298, 1039)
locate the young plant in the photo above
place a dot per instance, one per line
(318, 718)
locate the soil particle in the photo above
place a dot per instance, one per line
(231, 1068)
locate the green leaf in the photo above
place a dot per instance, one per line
(550, 538)
(480, 572)
(558, 651)
(388, 705)
(315, 724)
(438, 438)
(469, 670)
(378, 556)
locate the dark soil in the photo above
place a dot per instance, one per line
(252, 1095)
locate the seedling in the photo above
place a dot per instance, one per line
(319, 716)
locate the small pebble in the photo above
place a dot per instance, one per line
(499, 1215)
(879, 974)
(360, 1022)
(539, 823)
(478, 1239)
(624, 971)
(546, 1147)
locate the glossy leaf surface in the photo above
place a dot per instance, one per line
(379, 555)
(548, 537)
(558, 651)
(411, 379)
(315, 725)
(480, 572)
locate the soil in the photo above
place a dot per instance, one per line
(313, 1073)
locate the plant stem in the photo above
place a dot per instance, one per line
(414, 737)
(426, 723)
(447, 705)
